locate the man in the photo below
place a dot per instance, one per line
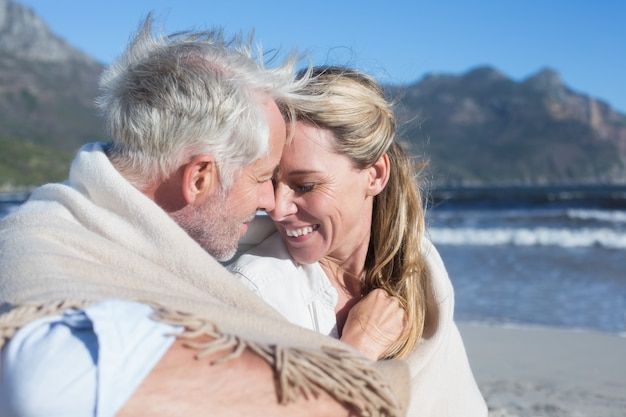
(111, 302)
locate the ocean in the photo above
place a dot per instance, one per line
(549, 261)
(558, 260)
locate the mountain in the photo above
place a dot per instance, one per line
(475, 129)
(47, 92)
(484, 128)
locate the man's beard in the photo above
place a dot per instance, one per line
(211, 226)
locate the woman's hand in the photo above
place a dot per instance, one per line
(374, 324)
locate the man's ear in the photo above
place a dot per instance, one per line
(200, 178)
(378, 175)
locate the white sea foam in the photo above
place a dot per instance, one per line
(610, 216)
(539, 236)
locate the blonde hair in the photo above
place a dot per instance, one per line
(353, 107)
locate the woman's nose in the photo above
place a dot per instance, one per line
(283, 203)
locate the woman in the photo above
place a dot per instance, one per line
(350, 257)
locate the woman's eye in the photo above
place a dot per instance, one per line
(305, 188)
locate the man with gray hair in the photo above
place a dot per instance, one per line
(113, 301)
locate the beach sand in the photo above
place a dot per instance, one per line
(525, 372)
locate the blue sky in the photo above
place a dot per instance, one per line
(395, 41)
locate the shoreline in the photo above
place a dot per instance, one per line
(551, 372)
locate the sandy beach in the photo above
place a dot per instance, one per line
(526, 372)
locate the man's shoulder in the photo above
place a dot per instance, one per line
(67, 364)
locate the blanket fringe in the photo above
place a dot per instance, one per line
(300, 373)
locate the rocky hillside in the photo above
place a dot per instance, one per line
(47, 90)
(482, 127)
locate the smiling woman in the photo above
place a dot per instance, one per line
(350, 258)
(321, 198)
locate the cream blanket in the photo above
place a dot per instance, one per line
(95, 237)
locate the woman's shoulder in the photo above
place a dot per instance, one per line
(439, 278)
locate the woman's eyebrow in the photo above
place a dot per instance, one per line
(303, 172)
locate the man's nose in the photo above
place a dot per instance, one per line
(266, 196)
(284, 204)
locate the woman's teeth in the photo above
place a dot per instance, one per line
(300, 232)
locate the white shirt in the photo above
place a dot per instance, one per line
(301, 293)
(82, 363)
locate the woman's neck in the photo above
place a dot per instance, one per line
(347, 282)
(344, 267)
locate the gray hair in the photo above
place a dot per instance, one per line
(170, 98)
